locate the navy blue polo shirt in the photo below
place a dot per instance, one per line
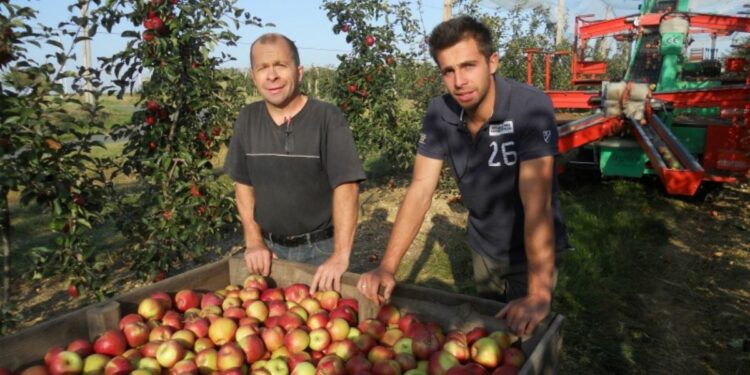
(521, 128)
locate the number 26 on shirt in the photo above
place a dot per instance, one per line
(505, 152)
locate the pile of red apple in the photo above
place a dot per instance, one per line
(257, 329)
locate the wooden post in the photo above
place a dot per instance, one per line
(560, 21)
(87, 55)
(447, 10)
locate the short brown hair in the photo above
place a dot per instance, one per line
(273, 38)
(449, 33)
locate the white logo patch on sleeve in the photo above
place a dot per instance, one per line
(422, 138)
(497, 130)
(546, 134)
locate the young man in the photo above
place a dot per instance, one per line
(500, 139)
(296, 171)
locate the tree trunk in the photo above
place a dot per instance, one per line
(5, 233)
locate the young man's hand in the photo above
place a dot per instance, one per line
(258, 259)
(523, 315)
(328, 274)
(370, 282)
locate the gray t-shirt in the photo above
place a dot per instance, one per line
(293, 167)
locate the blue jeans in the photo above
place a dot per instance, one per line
(314, 253)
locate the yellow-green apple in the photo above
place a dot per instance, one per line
(328, 299)
(505, 370)
(380, 353)
(234, 312)
(296, 340)
(272, 294)
(232, 290)
(255, 281)
(277, 366)
(281, 352)
(406, 321)
(358, 364)
(66, 363)
(231, 302)
(346, 313)
(318, 320)
(51, 354)
(353, 332)
(222, 330)
(118, 366)
(303, 368)
(210, 299)
(160, 333)
(151, 309)
(185, 337)
(389, 314)
(338, 328)
(83, 347)
(249, 321)
(300, 311)
(345, 349)
(310, 304)
(149, 349)
(475, 334)
(173, 319)
(186, 299)
(230, 356)
(296, 292)
(365, 343)
(403, 345)
(504, 339)
(293, 360)
(416, 371)
(149, 364)
(372, 327)
(94, 364)
(129, 318)
(257, 309)
(169, 353)
(185, 367)
(140, 371)
(207, 361)
(189, 354)
(273, 337)
(199, 326)
(319, 339)
(330, 364)
(111, 343)
(164, 298)
(246, 330)
(192, 313)
(276, 308)
(406, 360)
(258, 366)
(514, 357)
(458, 348)
(486, 352)
(253, 347)
(440, 362)
(136, 334)
(391, 336)
(386, 367)
(202, 344)
(249, 294)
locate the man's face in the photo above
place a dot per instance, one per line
(274, 72)
(466, 72)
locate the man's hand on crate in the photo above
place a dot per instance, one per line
(328, 275)
(370, 283)
(258, 259)
(523, 315)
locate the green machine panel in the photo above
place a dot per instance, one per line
(622, 161)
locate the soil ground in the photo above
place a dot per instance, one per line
(696, 315)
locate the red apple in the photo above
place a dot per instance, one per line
(273, 337)
(370, 40)
(440, 362)
(185, 367)
(318, 320)
(160, 333)
(136, 334)
(172, 319)
(330, 365)
(380, 353)
(365, 343)
(230, 356)
(133, 317)
(253, 347)
(345, 349)
(234, 312)
(328, 299)
(296, 292)
(513, 357)
(358, 364)
(345, 312)
(255, 281)
(149, 349)
(186, 299)
(210, 299)
(207, 361)
(458, 348)
(296, 340)
(468, 369)
(185, 337)
(73, 291)
(118, 366)
(406, 320)
(199, 326)
(66, 363)
(272, 294)
(372, 327)
(505, 370)
(391, 336)
(475, 334)
(169, 353)
(83, 347)
(164, 298)
(246, 330)
(406, 360)
(51, 354)
(275, 308)
(111, 343)
(389, 314)
(386, 367)
(249, 294)
(424, 343)
(290, 321)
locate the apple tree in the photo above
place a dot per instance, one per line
(47, 135)
(179, 205)
(383, 125)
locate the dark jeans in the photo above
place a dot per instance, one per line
(502, 281)
(314, 253)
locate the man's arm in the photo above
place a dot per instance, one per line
(408, 221)
(345, 209)
(257, 255)
(535, 185)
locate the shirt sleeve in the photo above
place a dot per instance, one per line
(538, 135)
(429, 143)
(235, 163)
(342, 163)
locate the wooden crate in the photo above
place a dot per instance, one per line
(449, 309)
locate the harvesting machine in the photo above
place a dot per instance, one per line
(679, 113)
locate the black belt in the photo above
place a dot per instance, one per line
(299, 239)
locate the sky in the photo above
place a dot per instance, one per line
(306, 23)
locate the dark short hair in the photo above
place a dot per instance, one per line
(273, 38)
(449, 33)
